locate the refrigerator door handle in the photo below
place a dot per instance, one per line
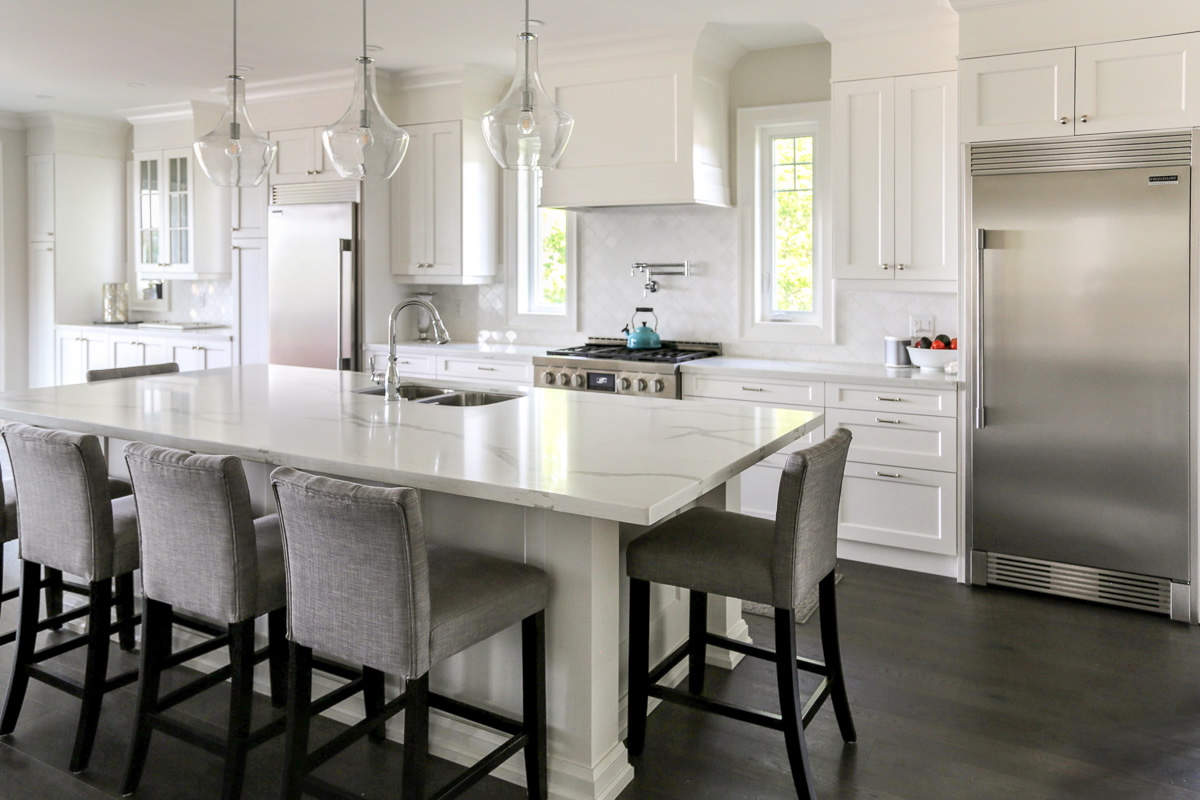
(980, 246)
(344, 246)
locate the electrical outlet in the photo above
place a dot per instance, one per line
(919, 325)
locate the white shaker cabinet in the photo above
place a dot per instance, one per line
(40, 191)
(79, 350)
(1114, 87)
(194, 354)
(895, 179)
(248, 211)
(135, 350)
(444, 207)
(164, 213)
(301, 157)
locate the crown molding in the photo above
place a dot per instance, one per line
(444, 77)
(648, 41)
(11, 121)
(882, 24)
(61, 121)
(341, 80)
(974, 5)
(170, 112)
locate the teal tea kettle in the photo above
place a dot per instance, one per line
(642, 337)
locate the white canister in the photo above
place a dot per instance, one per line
(895, 351)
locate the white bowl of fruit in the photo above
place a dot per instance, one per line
(932, 355)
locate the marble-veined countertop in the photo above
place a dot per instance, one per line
(630, 459)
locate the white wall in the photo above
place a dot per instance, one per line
(14, 337)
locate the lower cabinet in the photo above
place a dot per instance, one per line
(480, 368)
(191, 354)
(80, 349)
(901, 483)
(76, 351)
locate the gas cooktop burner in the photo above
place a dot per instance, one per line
(615, 349)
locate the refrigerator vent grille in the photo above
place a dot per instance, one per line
(1068, 155)
(297, 193)
(1084, 583)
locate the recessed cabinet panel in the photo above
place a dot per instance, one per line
(754, 390)
(621, 123)
(485, 370)
(899, 507)
(1020, 96)
(906, 440)
(863, 132)
(301, 157)
(940, 402)
(40, 191)
(926, 178)
(1143, 84)
(446, 233)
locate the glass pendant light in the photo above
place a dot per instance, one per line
(527, 130)
(364, 143)
(234, 154)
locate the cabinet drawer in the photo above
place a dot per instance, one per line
(754, 390)
(940, 402)
(905, 440)
(420, 366)
(485, 369)
(914, 509)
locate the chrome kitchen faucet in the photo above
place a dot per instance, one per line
(392, 382)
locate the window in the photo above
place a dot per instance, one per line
(783, 192)
(541, 290)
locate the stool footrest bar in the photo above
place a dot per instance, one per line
(347, 737)
(762, 718)
(668, 663)
(482, 768)
(476, 715)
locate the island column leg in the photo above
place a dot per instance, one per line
(583, 666)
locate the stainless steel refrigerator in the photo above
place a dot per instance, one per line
(312, 284)
(1081, 453)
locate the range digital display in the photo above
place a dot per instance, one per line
(602, 382)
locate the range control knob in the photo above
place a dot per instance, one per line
(659, 386)
(579, 381)
(564, 379)
(548, 377)
(641, 384)
(624, 384)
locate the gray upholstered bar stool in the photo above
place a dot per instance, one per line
(66, 521)
(8, 533)
(364, 588)
(775, 563)
(204, 553)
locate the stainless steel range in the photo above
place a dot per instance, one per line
(607, 365)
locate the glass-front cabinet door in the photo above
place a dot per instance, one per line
(163, 209)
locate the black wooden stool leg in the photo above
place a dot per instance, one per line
(790, 706)
(95, 673)
(295, 743)
(126, 634)
(373, 702)
(277, 655)
(533, 693)
(416, 736)
(27, 625)
(639, 663)
(156, 645)
(54, 594)
(833, 657)
(697, 629)
(241, 696)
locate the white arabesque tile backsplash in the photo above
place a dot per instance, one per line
(202, 301)
(701, 307)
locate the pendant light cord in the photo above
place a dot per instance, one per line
(526, 92)
(235, 64)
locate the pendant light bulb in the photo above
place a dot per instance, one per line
(526, 130)
(364, 143)
(233, 153)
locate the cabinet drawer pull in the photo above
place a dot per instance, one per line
(1063, 120)
(486, 369)
(888, 399)
(1084, 118)
(900, 267)
(752, 389)
(886, 266)
(403, 362)
(889, 421)
(888, 474)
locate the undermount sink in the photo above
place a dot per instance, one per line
(440, 396)
(464, 399)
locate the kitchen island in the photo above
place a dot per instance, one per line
(560, 480)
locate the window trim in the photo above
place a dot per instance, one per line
(568, 321)
(754, 127)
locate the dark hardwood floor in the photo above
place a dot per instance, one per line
(957, 693)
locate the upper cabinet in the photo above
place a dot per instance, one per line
(650, 128)
(248, 211)
(444, 206)
(163, 230)
(1136, 85)
(40, 185)
(895, 181)
(301, 157)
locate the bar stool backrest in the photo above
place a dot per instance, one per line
(357, 571)
(65, 518)
(806, 518)
(97, 375)
(196, 531)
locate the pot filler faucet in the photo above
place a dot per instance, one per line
(392, 381)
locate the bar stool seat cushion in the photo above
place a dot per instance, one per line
(272, 586)
(126, 557)
(8, 520)
(708, 550)
(473, 596)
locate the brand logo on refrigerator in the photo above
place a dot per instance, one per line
(1160, 180)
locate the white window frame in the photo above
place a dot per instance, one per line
(521, 231)
(755, 128)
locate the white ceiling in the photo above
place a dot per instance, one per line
(83, 54)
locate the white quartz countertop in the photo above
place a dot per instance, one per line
(221, 332)
(520, 353)
(630, 459)
(875, 374)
